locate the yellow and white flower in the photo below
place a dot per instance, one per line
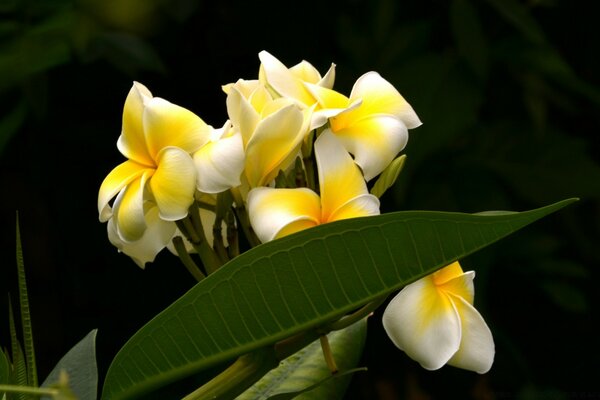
(372, 123)
(157, 138)
(290, 83)
(272, 130)
(433, 320)
(275, 213)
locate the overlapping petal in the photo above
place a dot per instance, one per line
(129, 213)
(116, 180)
(276, 212)
(132, 141)
(275, 138)
(220, 162)
(167, 124)
(374, 141)
(381, 97)
(476, 350)
(173, 184)
(155, 237)
(340, 180)
(423, 323)
(434, 322)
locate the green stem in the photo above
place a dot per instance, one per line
(359, 314)
(237, 377)
(186, 259)
(29, 390)
(329, 360)
(244, 218)
(310, 174)
(232, 236)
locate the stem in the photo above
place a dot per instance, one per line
(310, 173)
(232, 236)
(237, 377)
(329, 360)
(29, 390)
(359, 314)
(244, 218)
(186, 259)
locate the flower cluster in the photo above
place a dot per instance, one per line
(294, 153)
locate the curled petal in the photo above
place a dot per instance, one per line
(476, 350)
(381, 97)
(360, 206)
(306, 72)
(132, 142)
(283, 81)
(219, 164)
(156, 236)
(167, 124)
(241, 113)
(129, 209)
(423, 323)
(274, 212)
(276, 137)
(373, 141)
(329, 78)
(174, 183)
(340, 180)
(116, 180)
(461, 285)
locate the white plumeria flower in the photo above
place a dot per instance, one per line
(272, 130)
(275, 213)
(372, 123)
(290, 82)
(433, 320)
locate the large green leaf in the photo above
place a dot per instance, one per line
(298, 283)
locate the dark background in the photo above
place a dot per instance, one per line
(509, 95)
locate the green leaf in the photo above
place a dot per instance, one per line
(519, 17)
(80, 365)
(306, 374)
(298, 283)
(4, 370)
(18, 374)
(25, 314)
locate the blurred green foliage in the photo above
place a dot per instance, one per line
(509, 95)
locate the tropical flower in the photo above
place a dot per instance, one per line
(275, 213)
(433, 320)
(272, 130)
(372, 123)
(157, 139)
(291, 82)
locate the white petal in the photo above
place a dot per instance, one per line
(374, 141)
(283, 81)
(476, 351)
(156, 236)
(220, 164)
(128, 210)
(381, 97)
(423, 323)
(116, 180)
(241, 113)
(272, 210)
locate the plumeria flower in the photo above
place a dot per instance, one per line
(290, 82)
(272, 130)
(275, 213)
(433, 320)
(157, 139)
(372, 123)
